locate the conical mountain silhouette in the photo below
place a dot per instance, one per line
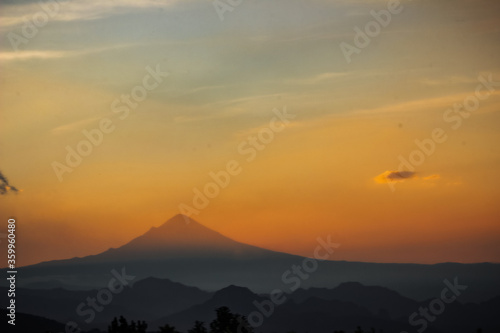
(183, 237)
(180, 232)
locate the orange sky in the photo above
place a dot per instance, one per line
(317, 176)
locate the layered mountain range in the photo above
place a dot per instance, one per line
(322, 310)
(182, 271)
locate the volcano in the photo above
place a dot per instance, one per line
(185, 251)
(181, 249)
(183, 237)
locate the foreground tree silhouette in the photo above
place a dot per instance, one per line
(168, 329)
(120, 325)
(359, 330)
(227, 322)
(199, 327)
(224, 322)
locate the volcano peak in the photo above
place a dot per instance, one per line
(179, 220)
(179, 236)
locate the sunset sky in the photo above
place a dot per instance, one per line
(333, 169)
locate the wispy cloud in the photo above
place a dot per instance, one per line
(78, 10)
(432, 177)
(433, 103)
(80, 124)
(200, 117)
(55, 54)
(319, 78)
(245, 99)
(27, 55)
(454, 79)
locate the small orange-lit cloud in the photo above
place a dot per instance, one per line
(432, 177)
(394, 176)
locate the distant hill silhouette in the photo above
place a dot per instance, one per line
(184, 250)
(378, 300)
(160, 302)
(26, 323)
(148, 299)
(311, 315)
(238, 299)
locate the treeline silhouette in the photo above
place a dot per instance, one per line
(225, 322)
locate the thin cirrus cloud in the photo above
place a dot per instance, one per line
(74, 126)
(28, 55)
(79, 10)
(56, 54)
(319, 78)
(433, 103)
